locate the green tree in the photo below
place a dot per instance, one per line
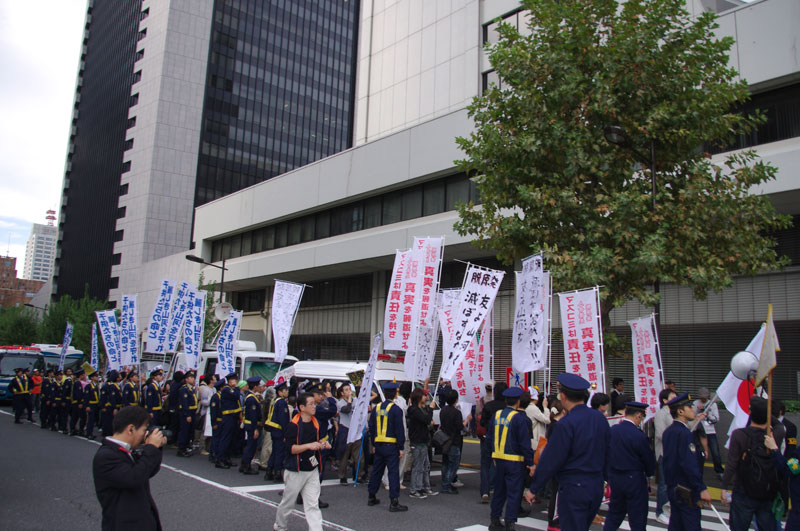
(79, 312)
(17, 326)
(211, 323)
(550, 182)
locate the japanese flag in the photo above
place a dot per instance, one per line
(736, 393)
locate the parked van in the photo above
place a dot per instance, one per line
(385, 371)
(249, 362)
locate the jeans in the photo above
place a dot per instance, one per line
(450, 468)
(744, 508)
(487, 466)
(713, 448)
(421, 469)
(661, 493)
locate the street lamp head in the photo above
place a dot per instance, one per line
(193, 258)
(616, 135)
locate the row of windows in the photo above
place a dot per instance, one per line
(519, 19)
(410, 203)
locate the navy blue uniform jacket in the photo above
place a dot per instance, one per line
(631, 450)
(518, 440)
(680, 459)
(394, 427)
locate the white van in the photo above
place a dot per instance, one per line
(385, 371)
(249, 362)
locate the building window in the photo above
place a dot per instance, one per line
(116, 259)
(139, 55)
(126, 166)
(131, 122)
(123, 189)
(114, 284)
(134, 100)
(145, 13)
(137, 76)
(121, 212)
(351, 290)
(128, 145)
(142, 34)
(118, 235)
(249, 301)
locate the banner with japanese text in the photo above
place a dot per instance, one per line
(226, 344)
(109, 332)
(583, 341)
(472, 375)
(429, 253)
(427, 339)
(157, 327)
(94, 360)
(128, 331)
(446, 306)
(65, 345)
(393, 318)
(361, 404)
(285, 303)
(648, 378)
(193, 330)
(177, 316)
(475, 302)
(529, 338)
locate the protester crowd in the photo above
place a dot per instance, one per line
(570, 449)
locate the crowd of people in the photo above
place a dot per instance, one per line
(558, 449)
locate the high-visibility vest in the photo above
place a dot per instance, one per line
(382, 423)
(22, 386)
(501, 424)
(270, 419)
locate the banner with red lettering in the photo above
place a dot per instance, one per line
(393, 318)
(648, 376)
(472, 375)
(426, 255)
(583, 336)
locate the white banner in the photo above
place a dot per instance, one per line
(648, 378)
(475, 301)
(128, 331)
(430, 254)
(226, 344)
(177, 316)
(427, 338)
(472, 375)
(157, 328)
(529, 339)
(583, 341)
(393, 318)
(65, 345)
(95, 362)
(193, 331)
(107, 323)
(285, 303)
(361, 406)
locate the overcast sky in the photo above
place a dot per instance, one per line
(40, 47)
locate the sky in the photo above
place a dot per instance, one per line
(40, 43)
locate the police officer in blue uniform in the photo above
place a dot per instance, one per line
(387, 436)
(510, 444)
(47, 398)
(187, 413)
(111, 399)
(633, 463)
(231, 408)
(20, 386)
(77, 414)
(576, 454)
(252, 423)
(685, 486)
(215, 410)
(130, 390)
(277, 420)
(152, 397)
(91, 402)
(325, 412)
(65, 406)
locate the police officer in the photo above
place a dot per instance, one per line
(685, 486)
(277, 420)
(91, 402)
(65, 406)
(388, 438)
(252, 423)
(187, 412)
(325, 412)
(152, 397)
(77, 412)
(55, 400)
(633, 463)
(231, 407)
(130, 390)
(215, 411)
(111, 399)
(510, 441)
(44, 411)
(576, 454)
(20, 386)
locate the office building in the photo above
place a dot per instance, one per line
(40, 251)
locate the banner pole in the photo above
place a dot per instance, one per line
(658, 348)
(360, 450)
(602, 346)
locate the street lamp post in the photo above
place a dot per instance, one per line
(617, 135)
(197, 259)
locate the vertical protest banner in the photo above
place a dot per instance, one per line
(446, 306)
(583, 335)
(361, 404)
(648, 378)
(472, 375)
(128, 331)
(177, 316)
(286, 298)
(393, 318)
(193, 331)
(529, 339)
(475, 301)
(157, 327)
(410, 299)
(94, 360)
(226, 344)
(109, 332)
(427, 253)
(65, 345)
(427, 339)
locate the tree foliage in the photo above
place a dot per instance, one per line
(18, 326)
(79, 312)
(550, 182)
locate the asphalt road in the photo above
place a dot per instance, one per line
(47, 484)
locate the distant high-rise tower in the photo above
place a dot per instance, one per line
(40, 251)
(197, 100)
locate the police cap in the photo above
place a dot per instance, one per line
(189, 374)
(282, 385)
(388, 386)
(680, 400)
(112, 375)
(254, 381)
(633, 407)
(157, 372)
(317, 388)
(219, 383)
(513, 392)
(18, 369)
(573, 381)
(232, 376)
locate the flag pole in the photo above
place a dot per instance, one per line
(769, 402)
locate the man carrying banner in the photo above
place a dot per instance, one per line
(388, 439)
(576, 454)
(91, 401)
(231, 407)
(187, 413)
(252, 423)
(277, 420)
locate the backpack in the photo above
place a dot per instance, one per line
(756, 472)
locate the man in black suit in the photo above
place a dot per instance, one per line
(122, 470)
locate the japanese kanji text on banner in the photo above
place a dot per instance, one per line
(583, 341)
(177, 316)
(109, 332)
(193, 331)
(65, 345)
(393, 320)
(157, 328)
(648, 378)
(285, 302)
(95, 362)
(128, 331)
(226, 344)
(529, 340)
(361, 404)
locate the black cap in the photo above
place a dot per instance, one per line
(189, 374)
(232, 376)
(317, 388)
(573, 382)
(632, 407)
(680, 400)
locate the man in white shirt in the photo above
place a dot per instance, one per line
(711, 446)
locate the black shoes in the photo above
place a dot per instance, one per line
(496, 525)
(183, 452)
(269, 475)
(342, 481)
(222, 464)
(322, 504)
(248, 471)
(395, 507)
(373, 500)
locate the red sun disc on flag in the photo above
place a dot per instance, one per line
(746, 390)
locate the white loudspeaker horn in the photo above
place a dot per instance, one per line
(222, 311)
(744, 365)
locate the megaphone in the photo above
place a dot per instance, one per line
(744, 365)
(222, 311)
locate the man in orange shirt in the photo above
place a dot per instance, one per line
(37, 389)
